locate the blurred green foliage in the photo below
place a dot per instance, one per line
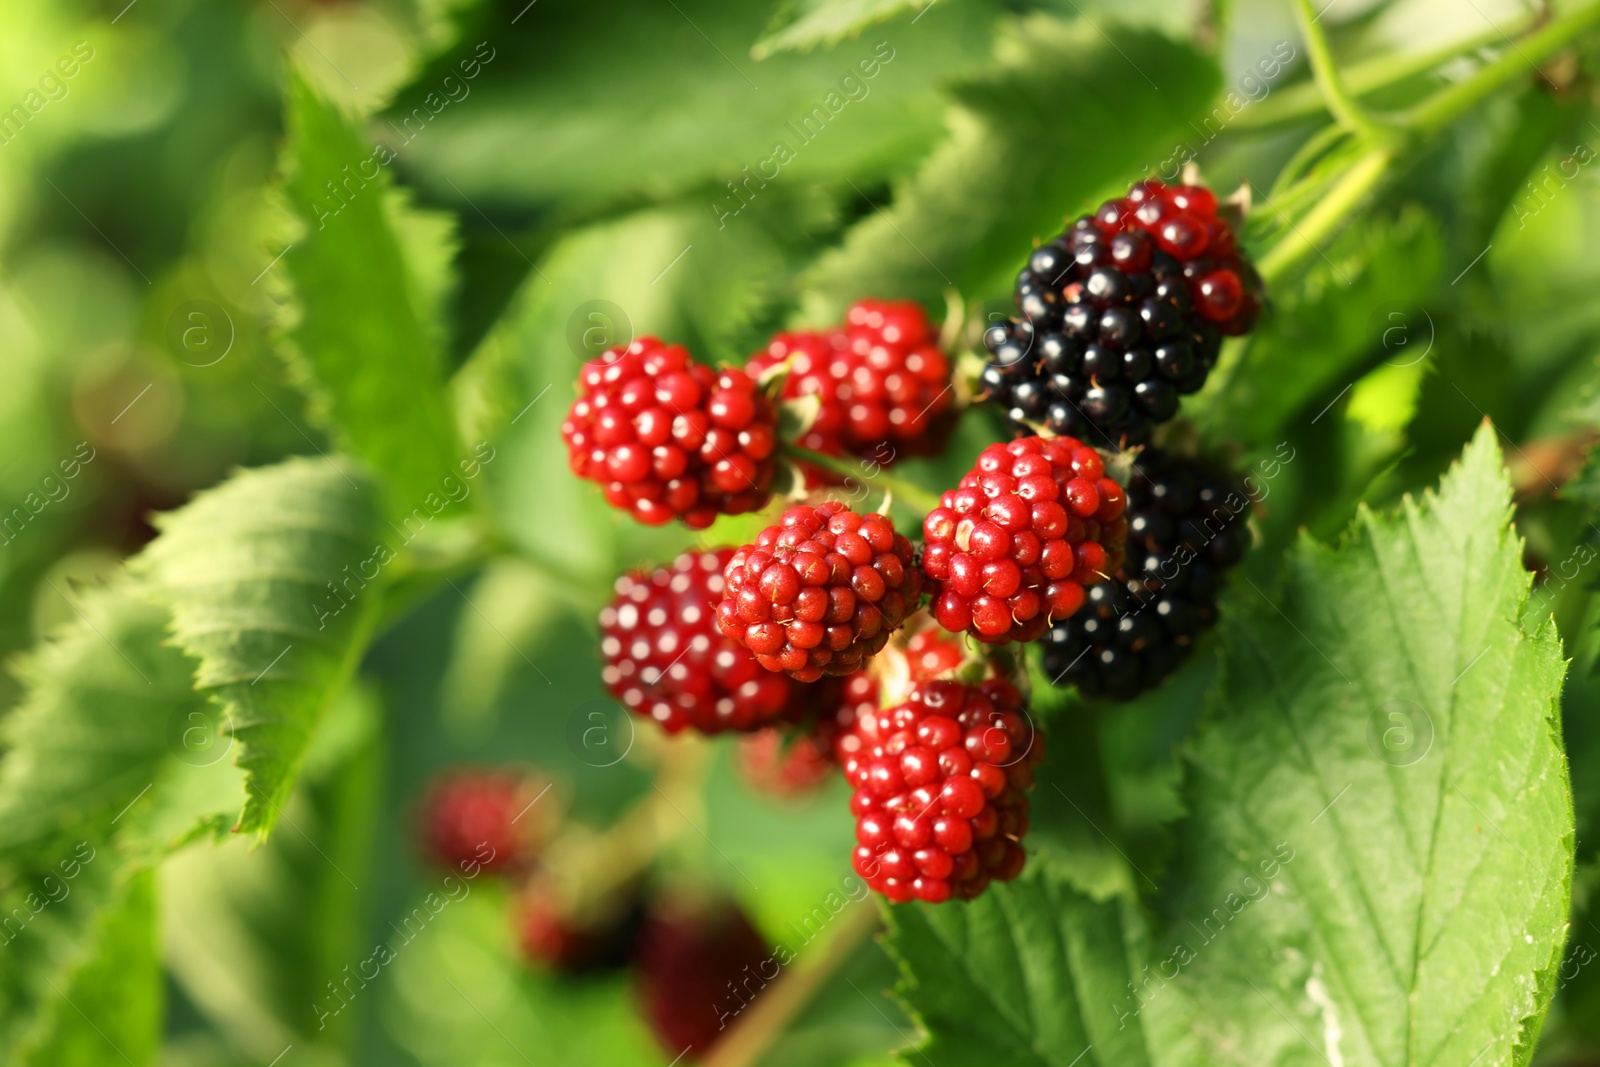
(261, 233)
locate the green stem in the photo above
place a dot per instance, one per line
(856, 470)
(1445, 106)
(1316, 146)
(1301, 239)
(1305, 101)
(1343, 106)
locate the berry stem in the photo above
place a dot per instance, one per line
(1329, 214)
(857, 476)
(759, 1027)
(1341, 104)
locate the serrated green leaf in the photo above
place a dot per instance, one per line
(268, 580)
(1017, 160)
(1378, 861)
(365, 346)
(805, 24)
(110, 759)
(254, 936)
(1024, 975)
(1389, 733)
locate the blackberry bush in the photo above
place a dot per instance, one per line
(1120, 316)
(1185, 529)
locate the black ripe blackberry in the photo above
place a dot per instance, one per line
(1185, 528)
(1120, 316)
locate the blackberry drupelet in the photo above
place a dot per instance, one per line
(1185, 529)
(1120, 316)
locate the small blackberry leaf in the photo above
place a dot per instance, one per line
(365, 347)
(272, 579)
(1400, 740)
(803, 24)
(1015, 161)
(111, 759)
(1026, 975)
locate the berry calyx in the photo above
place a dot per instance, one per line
(696, 965)
(820, 591)
(941, 786)
(666, 659)
(1121, 315)
(1012, 548)
(1185, 529)
(482, 817)
(668, 438)
(882, 384)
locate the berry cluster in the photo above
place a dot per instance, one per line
(831, 642)
(1121, 315)
(670, 438)
(940, 790)
(819, 592)
(1185, 528)
(1011, 549)
(882, 385)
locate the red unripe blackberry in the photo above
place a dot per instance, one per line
(1121, 315)
(820, 592)
(1012, 548)
(669, 438)
(696, 967)
(941, 785)
(665, 658)
(476, 816)
(881, 380)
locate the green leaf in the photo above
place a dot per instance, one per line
(536, 122)
(1387, 732)
(365, 347)
(111, 1011)
(254, 936)
(803, 24)
(268, 580)
(1378, 861)
(110, 759)
(1067, 113)
(1357, 305)
(1023, 975)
